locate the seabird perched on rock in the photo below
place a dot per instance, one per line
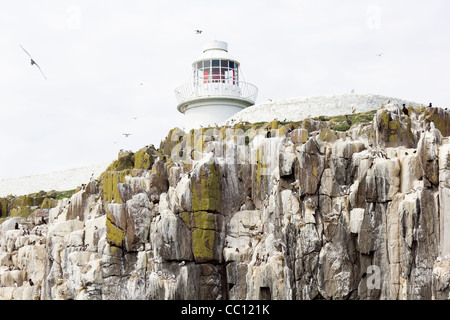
(432, 126)
(404, 110)
(349, 122)
(31, 282)
(431, 105)
(182, 263)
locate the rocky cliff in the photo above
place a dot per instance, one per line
(354, 207)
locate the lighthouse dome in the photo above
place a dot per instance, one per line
(215, 50)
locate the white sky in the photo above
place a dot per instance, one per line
(95, 55)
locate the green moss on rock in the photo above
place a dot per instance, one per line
(327, 135)
(110, 190)
(114, 235)
(21, 211)
(394, 132)
(4, 207)
(206, 189)
(203, 227)
(145, 157)
(49, 203)
(440, 118)
(64, 194)
(203, 242)
(125, 160)
(200, 219)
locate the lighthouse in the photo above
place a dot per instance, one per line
(216, 91)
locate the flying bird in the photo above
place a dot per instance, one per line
(33, 62)
(198, 31)
(379, 54)
(127, 134)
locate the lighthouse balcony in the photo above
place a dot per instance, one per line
(190, 92)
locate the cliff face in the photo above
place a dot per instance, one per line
(268, 211)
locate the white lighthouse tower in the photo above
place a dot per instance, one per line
(215, 93)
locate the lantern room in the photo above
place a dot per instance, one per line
(215, 65)
(215, 93)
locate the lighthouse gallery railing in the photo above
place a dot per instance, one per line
(191, 91)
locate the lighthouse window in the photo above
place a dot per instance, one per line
(215, 74)
(215, 71)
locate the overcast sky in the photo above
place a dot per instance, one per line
(108, 62)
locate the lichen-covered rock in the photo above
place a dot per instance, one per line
(4, 207)
(205, 186)
(253, 211)
(440, 118)
(393, 128)
(206, 237)
(110, 189)
(145, 157)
